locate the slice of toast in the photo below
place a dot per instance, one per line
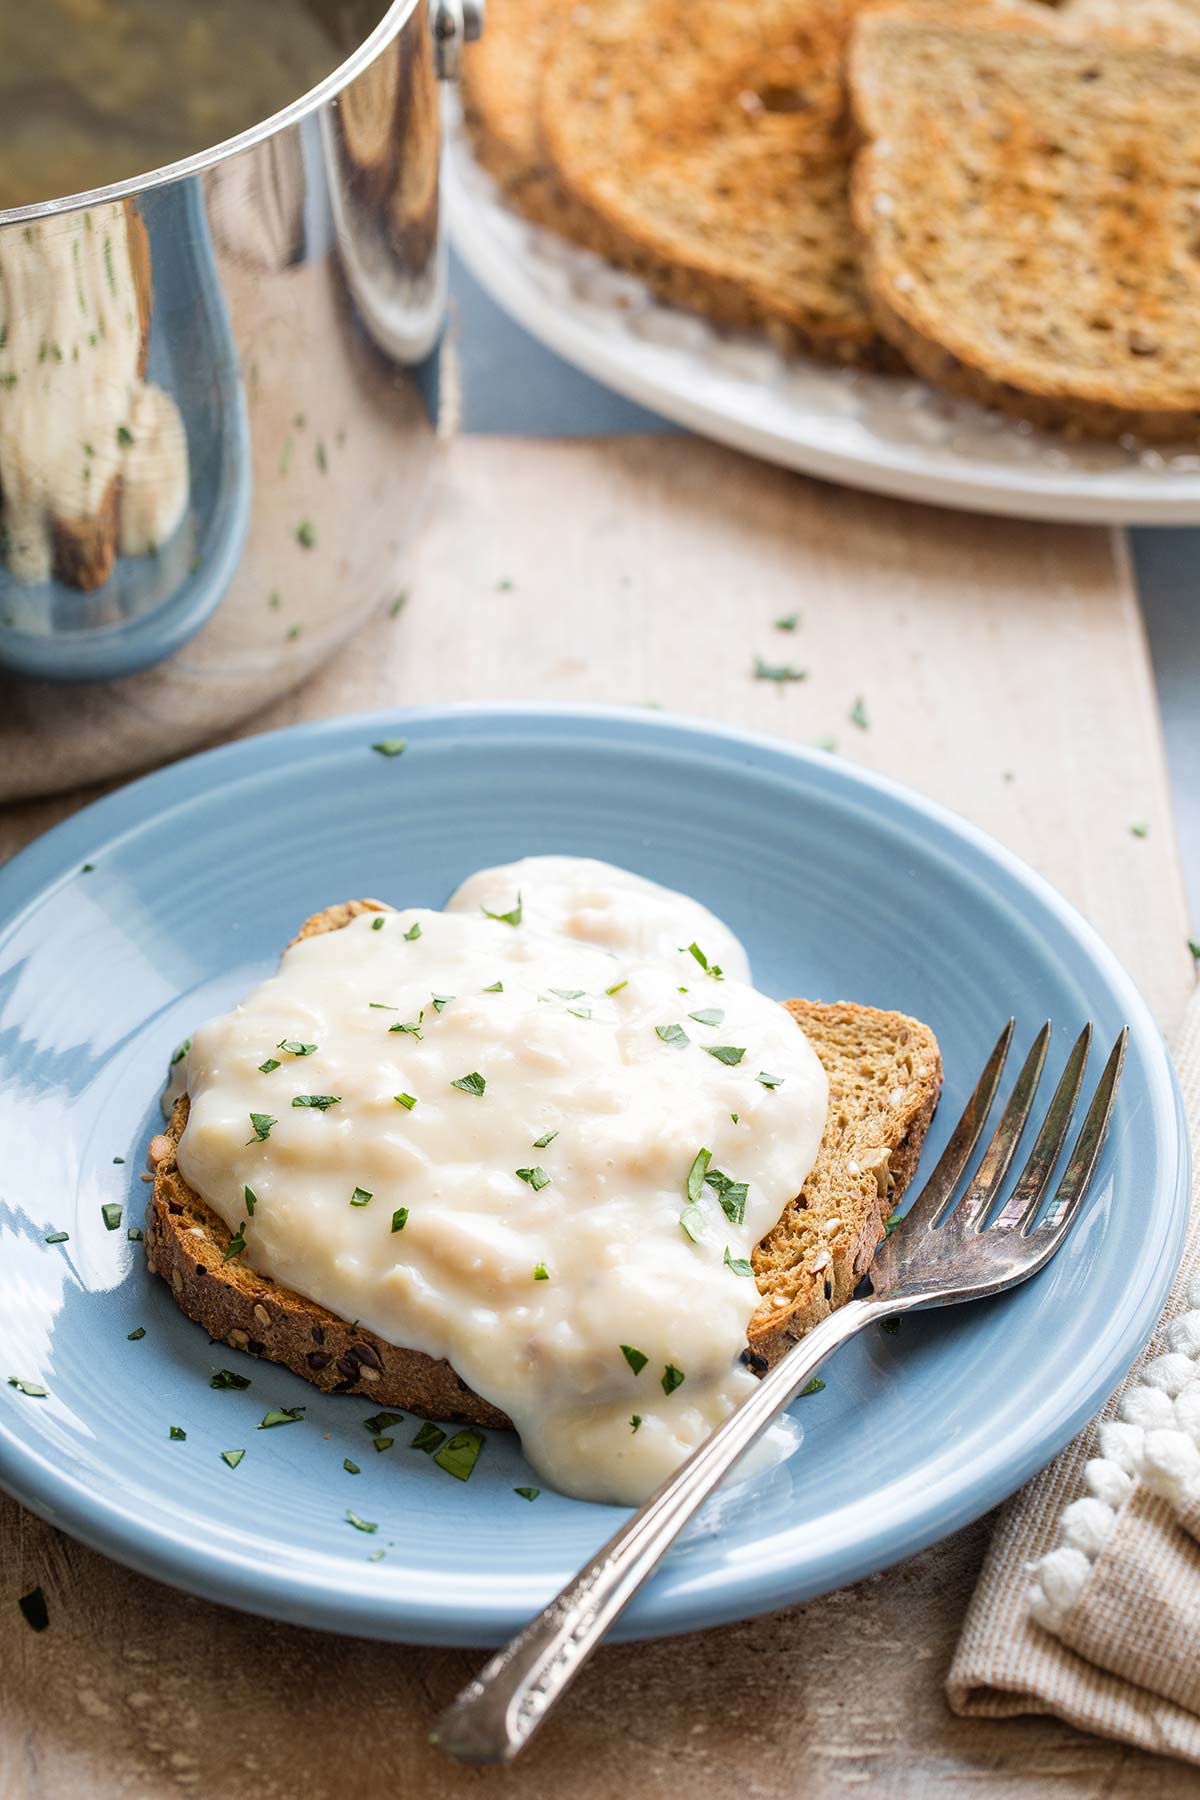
(1175, 24)
(1028, 209)
(712, 143)
(885, 1075)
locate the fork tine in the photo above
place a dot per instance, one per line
(1086, 1153)
(988, 1178)
(939, 1189)
(1030, 1189)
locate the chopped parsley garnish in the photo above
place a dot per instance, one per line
(118, 1159)
(738, 1264)
(459, 1456)
(892, 1222)
(635, 1420)
(318, 1102)
(617, 986)
(110, 1212)
(282, 1415)
(580, 1012)
(442, 1001)
(400, 1218)
(267, 1068)
(815, 1386)
(527, 1493)
(672, 1378)
(713, 969)
(124, 436)
(412, 1028)
(711, 1015)
(889, 1325)
(692, 1220)
(474, 1083)
(177, 1434)
(497, 987)
(391, 746)
(858, 714)
(294, 1047)
(729, 1054)
(548, 1138)
(696, 1174)
(260, 1125)
(383, 1443)
(634, 1358)
(782, 672)
(731, 1194)
(768, 1080)
(536, 1177)
(408, 1101)
(1140, 830)
(567, 993)
(380, 1421)
(237, 1243)
(35, 1611)
(88, 869)
(57, 1237)
(540, 1272)
(788, 623)
(671, 1034)
(428, 1437)
(181, 1051)
(352, 1518)
(134, 1235)
(131, 1337)
(381, 1006)
(413, 932)
(226, 1378)
(232, 1457)
(377, 924)
(251, 1199)
(507, 918)
(30, 1388)
(360, 1197)
(351, 1468)
(306, 534)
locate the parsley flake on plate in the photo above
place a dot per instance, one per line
(780, 672)
(132, 1337)
(281, 1415)
(391, 746)
(177, 1434)
(380, 1421)
(29, 1388)
(351, 1468)
(527, 1493)
(352, 1518)
(232, 1457)
(858, 714)
(57, 1237)
(460, 1454)
(428, 1437)
(110, 1212)
(226, 1378)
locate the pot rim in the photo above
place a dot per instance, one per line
(397, 15)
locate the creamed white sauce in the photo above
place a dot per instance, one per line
(75, 413)
(524, 1103)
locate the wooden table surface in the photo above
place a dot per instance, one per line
(1004, 671)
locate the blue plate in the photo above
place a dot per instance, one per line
(842, 885)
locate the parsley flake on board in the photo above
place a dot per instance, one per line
(391, 746)
(474, 1083)
(634, 1358)
(672, 1378)
(548, 1138)
(400, 1218)
(428, 1437)
(738, 1264)
(232, 1457)
(505, 918)
(318, 1102)
(111, 1214)
(671, 1034)
(460, 1454)
(537, 1178)
(35, 1611)
(729, 1054)
(237, 1243)
(781, 672)
(360, 1197)
(260, 1125)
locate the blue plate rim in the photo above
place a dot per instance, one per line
(235, 1580)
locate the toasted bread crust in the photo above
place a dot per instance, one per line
(808, 1265)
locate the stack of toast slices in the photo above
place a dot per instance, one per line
(998, 194)
(885, 1076)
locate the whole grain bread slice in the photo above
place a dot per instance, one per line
(711, 141)
(884, 1078)
(1175, 24)
(1027, 203)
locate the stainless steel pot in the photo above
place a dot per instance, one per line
(217, 392)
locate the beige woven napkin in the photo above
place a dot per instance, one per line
(1088, 1605)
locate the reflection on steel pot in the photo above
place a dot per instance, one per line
(215, 426)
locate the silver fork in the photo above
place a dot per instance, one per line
(939, 1254)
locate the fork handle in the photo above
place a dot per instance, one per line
(498, 1712)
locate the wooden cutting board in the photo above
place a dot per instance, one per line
(998, 666)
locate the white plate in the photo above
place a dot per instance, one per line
(890, 434)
